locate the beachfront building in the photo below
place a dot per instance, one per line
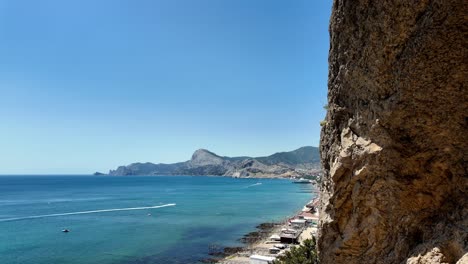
(309, 217)
(312, 219)
(298, 223)
(290, 236)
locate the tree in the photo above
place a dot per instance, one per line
(306, 253)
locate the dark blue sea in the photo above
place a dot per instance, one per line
(209, 212)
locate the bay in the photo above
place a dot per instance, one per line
(208, 212)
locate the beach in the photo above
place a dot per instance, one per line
(264, 245)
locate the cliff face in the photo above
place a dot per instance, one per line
(394, 147)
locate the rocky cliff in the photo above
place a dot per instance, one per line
(394, 146)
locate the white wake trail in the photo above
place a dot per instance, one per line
(87, 212)
(255, 184)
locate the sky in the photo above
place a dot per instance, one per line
(90, 85)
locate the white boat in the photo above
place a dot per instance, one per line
(302, 180)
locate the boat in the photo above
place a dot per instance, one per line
(302, 180)
(65, 230)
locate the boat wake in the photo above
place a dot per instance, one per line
(86, 212)
(255, 184)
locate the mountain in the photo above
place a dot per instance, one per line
(203, 157)
(295, 157)
(301, 162)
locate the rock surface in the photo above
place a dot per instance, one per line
(394, 146)
(203, 157)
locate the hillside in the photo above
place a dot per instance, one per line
(297, 163)
(295, 157)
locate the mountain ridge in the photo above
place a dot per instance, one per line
(303, 161)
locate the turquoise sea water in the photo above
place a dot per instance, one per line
(209, 211)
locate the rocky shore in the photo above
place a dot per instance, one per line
(250, 240)
(258, 242)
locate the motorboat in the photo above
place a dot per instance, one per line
(302, 180)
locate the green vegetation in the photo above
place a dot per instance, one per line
(298, 156)
(323, 122)
(316, 178)
(306, 253)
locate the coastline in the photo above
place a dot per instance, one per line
(259, 242)
(199, 225)
(269, 176)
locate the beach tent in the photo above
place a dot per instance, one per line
(258, 259)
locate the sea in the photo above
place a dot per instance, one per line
(135, 219)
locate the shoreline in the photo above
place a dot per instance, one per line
(249, 241)
(258, 242)
(187, 233)
(183, 175)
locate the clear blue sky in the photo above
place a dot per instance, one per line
(88, 85)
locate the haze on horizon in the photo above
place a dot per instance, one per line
(90, 85)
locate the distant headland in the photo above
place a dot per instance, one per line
(301, 162)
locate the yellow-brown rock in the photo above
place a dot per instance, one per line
(395, 144)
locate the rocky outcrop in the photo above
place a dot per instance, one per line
(203, 157)
(394, 145)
